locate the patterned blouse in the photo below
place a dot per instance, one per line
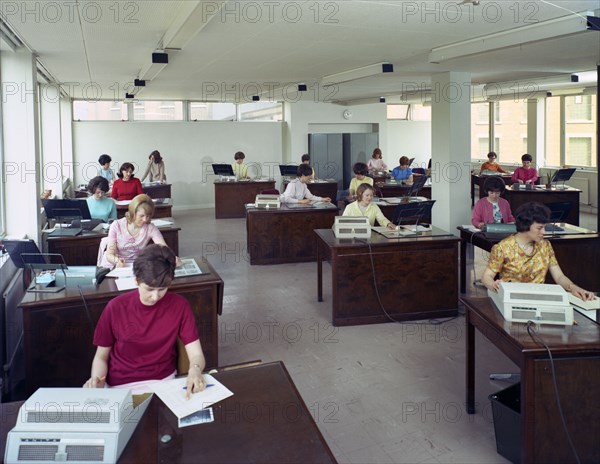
(128, 247)
(514, 265)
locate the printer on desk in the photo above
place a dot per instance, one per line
(267, 201)
(352, 227)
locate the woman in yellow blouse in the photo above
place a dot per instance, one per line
(363, 207)
(526, 256)
(360, 177)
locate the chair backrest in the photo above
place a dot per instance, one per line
(101, 251)
(419, 171)
(269, 192)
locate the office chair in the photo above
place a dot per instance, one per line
(269, 192)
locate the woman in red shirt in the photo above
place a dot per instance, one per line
(126, 187)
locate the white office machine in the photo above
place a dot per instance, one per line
(90, 425)
(352, 227)
(541, 303)
(267, 201)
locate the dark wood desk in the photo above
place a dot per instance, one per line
(161, 210)
(266, 420)
(576, 353)
(231, 197)
(285, 235)
(572, 253)
(400, 190)
(518, 197)
(320, 188)
(82, 250)
(157, 190)
(57, 340)
(479, 180)
(417, 278)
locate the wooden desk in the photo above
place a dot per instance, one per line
(479, 180)
(57, 340)
(576, 353)
(256, 424)
(320, 188)
(518, 197)
(417, 278)
(161, 210)
(157, 190)
(400, 190)
(82, 250)
(285, 235)
(572, 252)
(231, 197)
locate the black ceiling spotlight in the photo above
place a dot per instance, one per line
(387, 68)
(302, 88)
(255, 98)
(381, 99)
(129, 95)
(139, 83)
(160, 58)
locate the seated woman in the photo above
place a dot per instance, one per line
(240, 169)
(490, 164)
(156, 168)
(363, 207)
(525, 174)
(403, 172)
(99, 205)
(297, 191)
(126, 186)
(526, 256)
(376, 164)
(129, 235)
(105, 170)
(137, 332)
(360, 177)
(305, 159)
(492, 208)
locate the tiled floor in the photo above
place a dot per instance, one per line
(389, 393)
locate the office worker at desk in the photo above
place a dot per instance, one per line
(526, 174)
(100, 206)
(105, 170)
(137, 332)
(491, 165)
(376, 164)
(403, 172)
(240, 169)
(126, 186)
(306, 160)
(360, 177)
(297, 191)
(492, 208)
(155, 168)
(130, 234)
(526, 256)
(363, 206)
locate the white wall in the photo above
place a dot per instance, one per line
(188, 149)
(408, 138)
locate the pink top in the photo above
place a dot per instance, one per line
(143, 338)
(376, 164)
(128, 246)
(523, 175)
(484, 212)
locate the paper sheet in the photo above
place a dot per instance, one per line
(122, 202)
(161, 223)
(126, 283)
(172, 393)
(587, 305)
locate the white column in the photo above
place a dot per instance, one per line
(451, 150)
(536, 132)
(51, 166)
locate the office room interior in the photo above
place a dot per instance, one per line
(443, 82)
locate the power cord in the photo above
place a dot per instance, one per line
(531, 330)
(87, 311)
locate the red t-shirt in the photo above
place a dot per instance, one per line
(143, 338)
(126, 190)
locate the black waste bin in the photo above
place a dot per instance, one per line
(506, 411)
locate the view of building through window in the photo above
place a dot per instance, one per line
(204, 111)
(84, 110)
(157, 110)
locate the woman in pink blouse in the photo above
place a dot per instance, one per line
(376, 163)
(129, 235)
(526, 174)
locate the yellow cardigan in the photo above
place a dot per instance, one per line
(372, 213)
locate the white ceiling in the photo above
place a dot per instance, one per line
(251, 46)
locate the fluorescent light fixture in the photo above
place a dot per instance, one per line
(522, 89)
(151, 70)
(358, 73)
(544, 30)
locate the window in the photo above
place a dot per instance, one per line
(524, 146)
(553, 132)
(509, 132)
(398, 111)
(484, 147)
(158, 111)
(480, 130)
(261, 111)
(99, 111)
(580, 130)
(201, 111)
(579, 108)
(421, 113)
(579, 151)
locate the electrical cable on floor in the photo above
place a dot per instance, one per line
(533, 334)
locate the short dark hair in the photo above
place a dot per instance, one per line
(98, 182)
(362, 188)
(494, 183)
(239, 155)
(527, 157)
(157, 157)
(528, 213)
(360, 168)
(104, 159)
(125, 167)
(155, 266)
(404, 161)
(305, 157)
(492, 154)
(304, 170)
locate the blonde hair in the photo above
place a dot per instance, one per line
(140, 201)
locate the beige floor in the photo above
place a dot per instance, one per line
(384, 393)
